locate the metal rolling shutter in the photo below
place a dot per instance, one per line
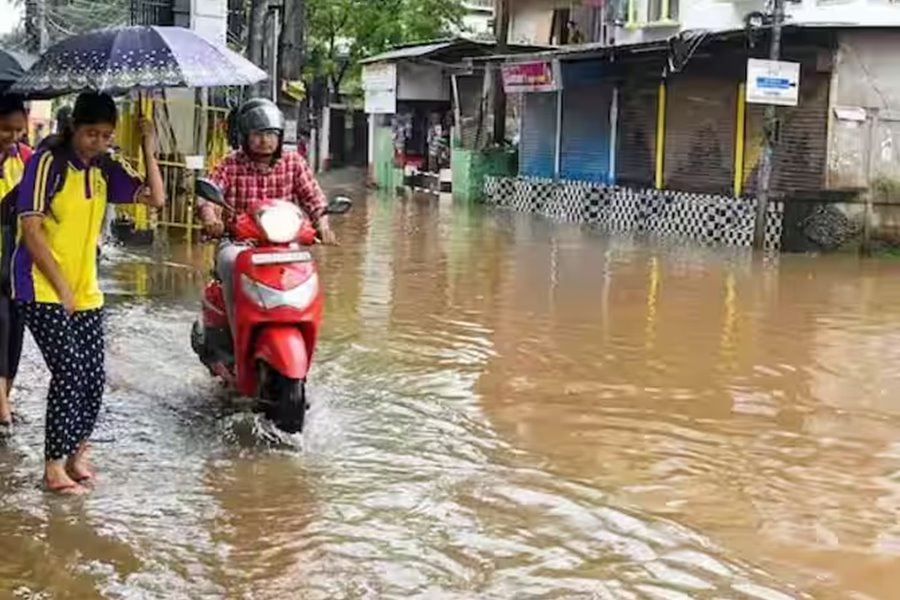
(586, 133)
(636, 141)
(800, 157)
(700, 128)
(537, 146)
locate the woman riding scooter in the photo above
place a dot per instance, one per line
(260, 169)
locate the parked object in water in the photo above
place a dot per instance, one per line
(260, 335)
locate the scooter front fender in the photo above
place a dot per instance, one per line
(283, 348)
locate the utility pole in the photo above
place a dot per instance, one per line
(291, 46)
(274, 35)
(259, 9)
(770, 128)
(36, 25)
(501, 32)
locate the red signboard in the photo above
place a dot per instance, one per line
(530, 77)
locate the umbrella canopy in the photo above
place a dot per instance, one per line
(135, 57)
(13, 66)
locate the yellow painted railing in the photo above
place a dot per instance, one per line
(184, 128)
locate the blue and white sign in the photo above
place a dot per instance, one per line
(773, 82)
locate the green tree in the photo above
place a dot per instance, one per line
(341, 32)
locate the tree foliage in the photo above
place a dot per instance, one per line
(341, 32)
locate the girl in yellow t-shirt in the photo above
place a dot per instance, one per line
(13, 156)
(60, 206)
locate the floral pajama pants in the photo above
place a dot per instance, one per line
(73, 350)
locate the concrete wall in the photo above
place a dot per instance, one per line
(531, 19)
(717, 15)
(867, 69)
(863, 164)
(707, 218)
(386, 175)
(864, 141)
(477, 23)
(471, 167)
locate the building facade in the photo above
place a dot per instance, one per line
(479, 17)
(642, 136)
(624, 22)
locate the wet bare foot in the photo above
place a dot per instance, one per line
(56, 480)
(6, 418)
(69, 488)
(78, 467)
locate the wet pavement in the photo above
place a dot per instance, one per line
(502, 408)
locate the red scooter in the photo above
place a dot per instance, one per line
(276, 307)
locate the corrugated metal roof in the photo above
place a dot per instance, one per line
(446, 46)
(597, 50)
(419, 51)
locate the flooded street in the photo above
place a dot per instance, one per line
(502, 408)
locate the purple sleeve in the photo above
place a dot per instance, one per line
(37, 186)
(123, 182)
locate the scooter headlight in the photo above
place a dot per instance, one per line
(280, 222)
(269, 298)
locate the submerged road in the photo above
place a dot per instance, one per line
(502, 408)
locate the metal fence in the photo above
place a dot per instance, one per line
(152, 12)
(189, 131)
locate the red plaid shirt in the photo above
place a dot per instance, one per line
(246, 183)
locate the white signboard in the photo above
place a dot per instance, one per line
(381, 102)
(773, 82)
(290, 131)
(195, 162)
(379, 81)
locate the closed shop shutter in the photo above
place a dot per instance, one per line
(700, 129)
(537, 146)
(586, 133)
(636, 139)
(799, 158)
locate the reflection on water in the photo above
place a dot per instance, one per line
(502, 408)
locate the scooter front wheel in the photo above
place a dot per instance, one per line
(284, 399)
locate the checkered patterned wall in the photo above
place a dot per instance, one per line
(706, 218)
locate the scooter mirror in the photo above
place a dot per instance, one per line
(339, 205)
(209, 191)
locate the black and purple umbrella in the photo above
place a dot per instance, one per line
(13, 66)
(135, 58)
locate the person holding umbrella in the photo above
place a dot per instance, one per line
(13, 157)
(60, 204)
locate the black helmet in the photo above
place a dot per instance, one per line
(259, 114)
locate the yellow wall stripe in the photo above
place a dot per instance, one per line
(740, 140)
(660, 135)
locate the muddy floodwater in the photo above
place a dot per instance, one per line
(502, 408)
